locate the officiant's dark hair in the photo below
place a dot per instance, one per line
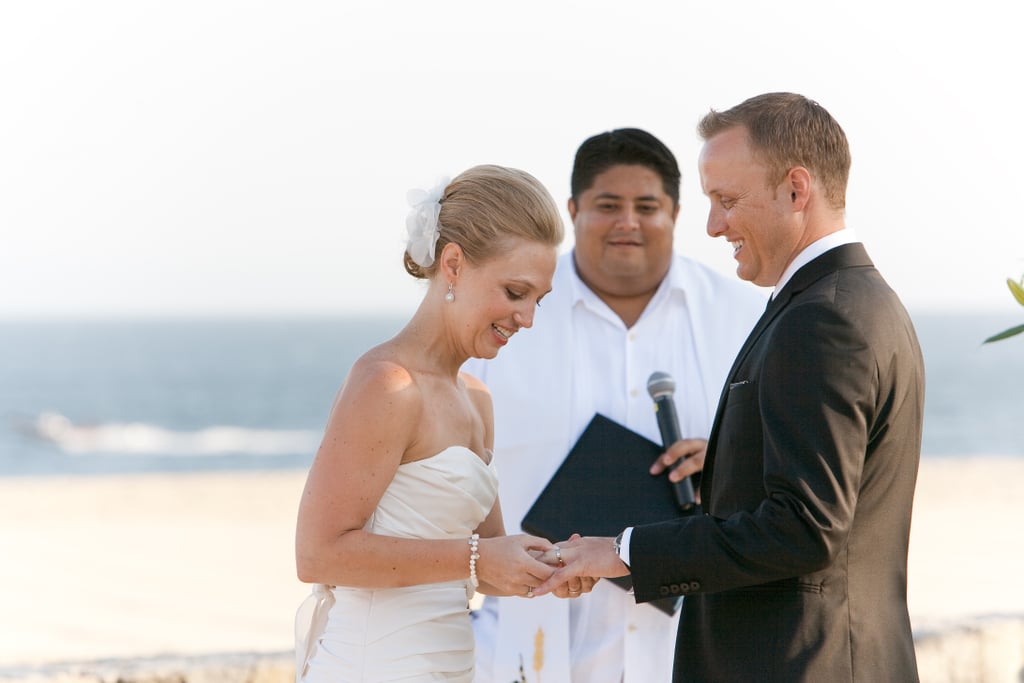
(487, 204)
(630, 146)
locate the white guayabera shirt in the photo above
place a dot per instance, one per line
(579, 359)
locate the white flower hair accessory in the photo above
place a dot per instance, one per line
(421, 223)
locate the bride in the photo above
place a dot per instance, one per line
(399, 522)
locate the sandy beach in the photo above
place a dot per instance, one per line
(202, 564)
(131, 566)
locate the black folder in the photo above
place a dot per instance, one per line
(602, 487)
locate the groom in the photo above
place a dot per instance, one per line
(797, 571)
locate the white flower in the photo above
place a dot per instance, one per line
(421, 223)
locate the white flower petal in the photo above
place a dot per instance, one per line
(421, 223)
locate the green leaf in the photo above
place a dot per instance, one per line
(1013, 331)
(1017, 289)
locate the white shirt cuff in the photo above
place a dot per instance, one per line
(624, 546)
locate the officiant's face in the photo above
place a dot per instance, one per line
(623, 225)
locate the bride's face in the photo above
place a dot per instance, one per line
(498, 297)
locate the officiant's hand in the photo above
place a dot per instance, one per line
(589, 556)
(510, 565)
(690, 451)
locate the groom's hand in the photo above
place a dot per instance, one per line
(574, 587)
(580, 559)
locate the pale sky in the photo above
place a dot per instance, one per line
(232, 158)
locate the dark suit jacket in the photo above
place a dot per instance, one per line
(797, 569)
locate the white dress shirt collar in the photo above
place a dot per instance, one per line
(582, 294)
(813, 251)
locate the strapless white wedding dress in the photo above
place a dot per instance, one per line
(416, 633)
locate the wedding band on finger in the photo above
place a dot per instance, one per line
(529, 591)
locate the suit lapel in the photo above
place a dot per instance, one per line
(845, 256)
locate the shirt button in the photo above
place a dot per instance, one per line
(632, 336)
(634, 393)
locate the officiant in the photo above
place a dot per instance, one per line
(624, 305)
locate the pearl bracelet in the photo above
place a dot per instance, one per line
(474, 546)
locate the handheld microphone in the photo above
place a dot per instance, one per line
(661, 386)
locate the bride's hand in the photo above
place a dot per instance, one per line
(509, 564)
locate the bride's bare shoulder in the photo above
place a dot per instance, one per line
(381, 371)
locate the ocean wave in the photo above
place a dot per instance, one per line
(138, 438)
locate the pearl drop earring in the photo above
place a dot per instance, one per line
(450, 296)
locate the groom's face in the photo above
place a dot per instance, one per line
(750, 211)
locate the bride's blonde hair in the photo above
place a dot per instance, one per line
(484, 206)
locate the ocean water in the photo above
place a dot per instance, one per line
(80, 397)
(89, 396)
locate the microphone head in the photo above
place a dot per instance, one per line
(660, 384)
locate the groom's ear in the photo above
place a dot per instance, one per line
(451, 262)
(799, 185)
